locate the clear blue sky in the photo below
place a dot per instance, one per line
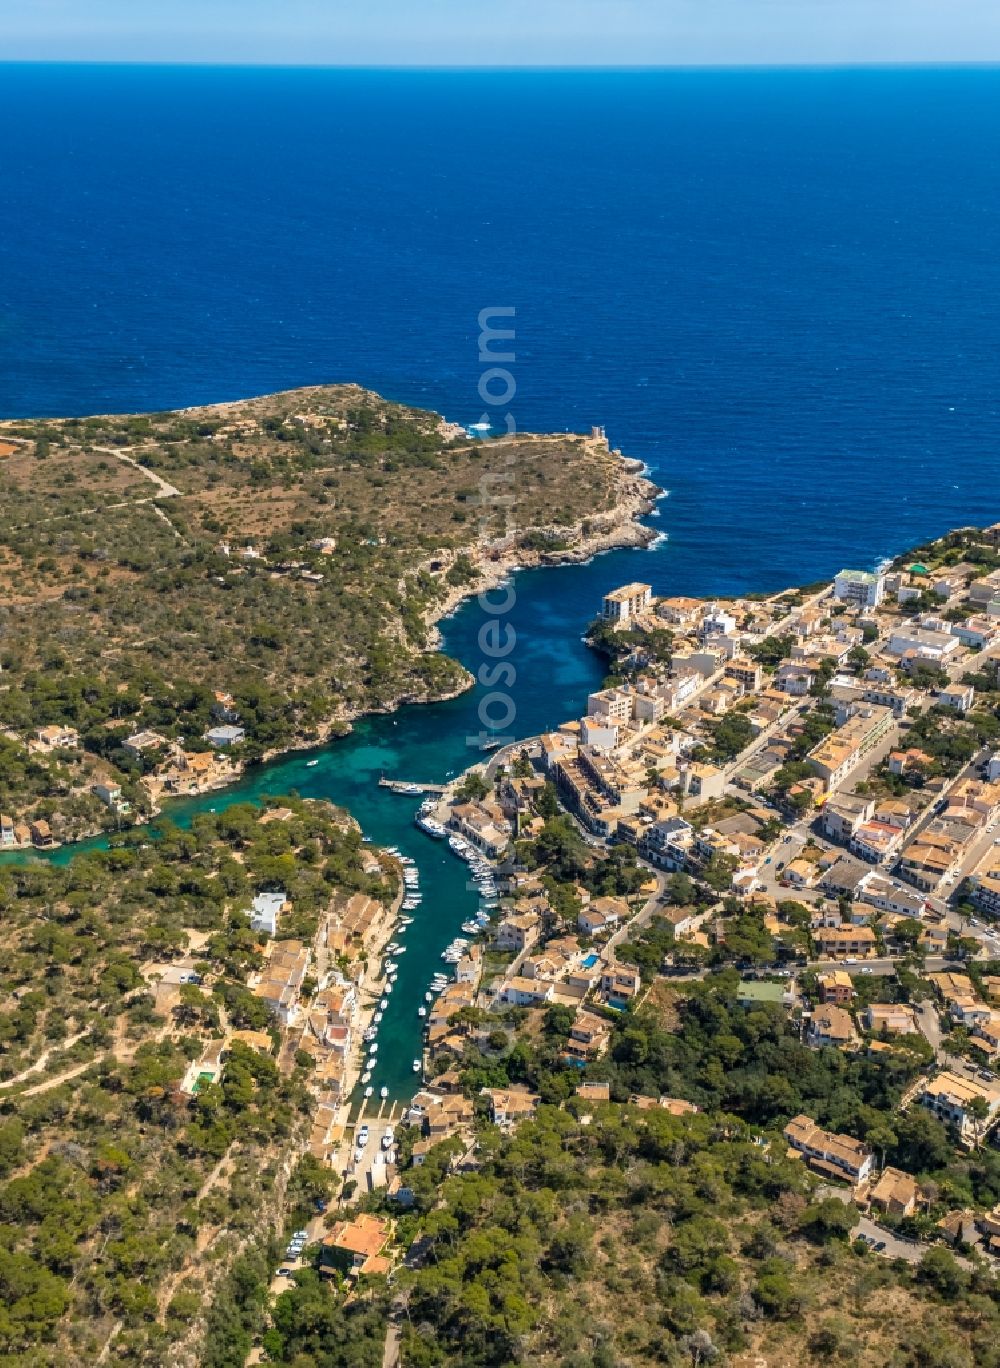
(502, 32)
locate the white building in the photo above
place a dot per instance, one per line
(265, 911)
(958, 697)
(928, 645)
(667, 844)
(717, 622)
(949, 1097)
(861, 587)
(610, 705)
(228, 735)
(627, 602)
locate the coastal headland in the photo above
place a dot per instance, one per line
(189, 592)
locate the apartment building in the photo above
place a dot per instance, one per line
(668, 844)
(844, 813)
(876, 841)
(862, 588)
(611, 705)
(623, 604)
(745, 673)
(838, 754)
(281, 979)
(934, 853)
(950, 1097)
(984, 883)
(835, 941)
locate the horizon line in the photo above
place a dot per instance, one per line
(638, 67)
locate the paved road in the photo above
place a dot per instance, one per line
(929, 1023)
(895, 1247)
(885, 964)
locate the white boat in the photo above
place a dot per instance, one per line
(311, 764)
(387, 989)
(417, 1066)
(421, 1011)
(401, 950)
(383, 1005)
(428, 997)
(366, 1076)
(368, 1091)
(377, 1018)
(383, 1091)
(373, 1051)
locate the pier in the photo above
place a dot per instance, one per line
(405, 786)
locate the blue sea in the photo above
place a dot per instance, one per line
(777, 288)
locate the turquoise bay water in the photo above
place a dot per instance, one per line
(428, 743)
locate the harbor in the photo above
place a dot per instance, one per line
(428, 741)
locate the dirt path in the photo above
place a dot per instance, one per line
(42, 1060)
(59, 1078)
(167, 490)
(206, 1235)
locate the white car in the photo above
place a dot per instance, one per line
(388, 1137)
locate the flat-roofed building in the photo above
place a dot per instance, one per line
(746, 673)
(837, 755)
(864, 588)
(623, 604)
(923, 643)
